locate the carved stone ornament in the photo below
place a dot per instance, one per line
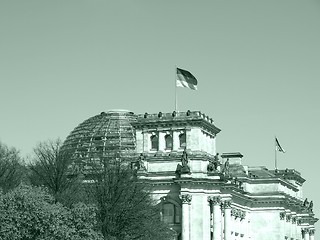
(186, 198)
(234, 212)
(288, 218)
(237, 213)
(311, 232)
(243, 215)
(305, 230)
(294, 219)
(282, 215)
(227, 204)
(214, 200)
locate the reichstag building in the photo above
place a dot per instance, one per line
(203, 194)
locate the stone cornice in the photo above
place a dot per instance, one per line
(290, 174)
(169, 156)
(231, 155)
(310, 219)
(247, 199)
(268, 181)
(181, 119)
(254, 202)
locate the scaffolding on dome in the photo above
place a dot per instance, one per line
(106, 138)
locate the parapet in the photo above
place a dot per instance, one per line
(189, 118)
(290, 174)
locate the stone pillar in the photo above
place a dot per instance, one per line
(242, 221)
(294, 227)
(216, 216)
(311, 234)
(186, 200)
(162, 143)
(146, 139)
(288, 225)
(282, 224)
(176, 142)
(227, 220)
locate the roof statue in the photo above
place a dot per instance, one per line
(310, 207)
(184, 168)
(140, 164)
(226, 168)
(214, 163)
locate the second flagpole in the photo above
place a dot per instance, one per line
(175, 89)
(275, 153)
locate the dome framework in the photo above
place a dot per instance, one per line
(104, 138)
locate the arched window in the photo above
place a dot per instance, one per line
(168, 139)
(171, 213)
(182, 140)
(154, 142)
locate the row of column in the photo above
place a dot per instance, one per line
(307, 234)
(291, 228)
(216, 206)
(289, 225)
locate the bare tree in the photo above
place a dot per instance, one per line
(52, 168)
(125, 207)
(12, 170)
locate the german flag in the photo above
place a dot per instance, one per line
(278, 146)
(186, 79)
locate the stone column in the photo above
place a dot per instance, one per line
(227, 220)
(146, 139)
(242, 220)
(162, 143)
(176, 142)
(216, 216)
(288, 225)
(282, 224)
(186, 200)
(294, 227)
(311, 234)
(235, 213)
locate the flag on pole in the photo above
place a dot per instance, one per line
(186, 79)
(278, 146)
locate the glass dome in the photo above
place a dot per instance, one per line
(103, 138)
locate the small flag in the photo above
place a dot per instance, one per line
(186, 79)
(278, 147)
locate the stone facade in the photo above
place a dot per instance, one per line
(215, 196)
(203, 195)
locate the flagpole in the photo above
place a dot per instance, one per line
(275, 153)
(175, 89)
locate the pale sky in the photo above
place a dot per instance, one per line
(257, 65)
